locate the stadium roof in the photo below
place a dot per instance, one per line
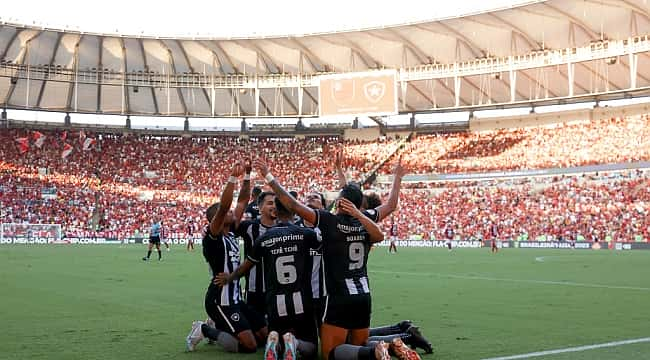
(553, 24)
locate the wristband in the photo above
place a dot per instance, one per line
(232, 179)
(247, 177)
(269, 177)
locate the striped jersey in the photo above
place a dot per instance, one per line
(222, 254)
(346, 244)
(283, 253)
(251, 230)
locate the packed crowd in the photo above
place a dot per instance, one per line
(569, 208)
(615, 140)
(115, 186)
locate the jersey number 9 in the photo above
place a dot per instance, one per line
(356, 255)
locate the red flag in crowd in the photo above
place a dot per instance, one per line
(39, 139)
(88, 143)
(67, 149)
(23, 144)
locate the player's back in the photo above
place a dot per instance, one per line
(346, 245)
(284, 252)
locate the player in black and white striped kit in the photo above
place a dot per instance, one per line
(237, 328)
(347, 237)
(283, 252)
(251, 230)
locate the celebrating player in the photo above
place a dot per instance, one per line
(237, 328)
(283, 252)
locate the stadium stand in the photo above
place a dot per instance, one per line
(116, 186)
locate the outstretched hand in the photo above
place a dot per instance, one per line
(261, 166)
(248, 166)
(237, 170)
(221, 279)
(338, 158)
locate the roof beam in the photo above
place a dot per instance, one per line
(266, 59)
(9, 43)
(21, 59)
(146, 68)
(127, 103)
(215, 57)
(100, 73)
(51, 62)
(471, 46)
(363, 55)
(311, 56)
(189, 64)
(594, 35)
(170, 58)
(75, 62)
(517, 30)
(232, 64)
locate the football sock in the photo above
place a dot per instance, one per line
(227, 341)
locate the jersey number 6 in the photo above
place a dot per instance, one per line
(285, 270)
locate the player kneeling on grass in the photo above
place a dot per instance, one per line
(347, 237)
(237, 328)
(284, 253)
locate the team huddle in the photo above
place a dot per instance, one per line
(306, 274)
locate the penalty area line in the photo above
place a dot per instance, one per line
(572, 349)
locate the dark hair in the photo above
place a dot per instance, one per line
(256, 191)
(294, 194)
(322, 199)
(260, 197)
(212, 211)
(372, 200)
(281, 209)
(352, 192)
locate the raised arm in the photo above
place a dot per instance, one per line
(222, 278)
(287, 200)
(244, 193)
(346, 206)
(393, 198)
(338, 163)
(216, 224)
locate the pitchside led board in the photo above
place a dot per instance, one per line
(361, 94)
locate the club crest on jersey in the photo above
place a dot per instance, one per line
(234, 317)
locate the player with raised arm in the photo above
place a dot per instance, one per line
(236, 326)
(283, 252)
(374, 209)
(347, 237)
(249, 231)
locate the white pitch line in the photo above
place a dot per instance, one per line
(573, 349)
(543, 282)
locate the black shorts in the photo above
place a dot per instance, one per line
(348, 311)
(302, 326)
(232, 319)
(154, 240)
(256, 301)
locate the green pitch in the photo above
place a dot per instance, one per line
(104, 302)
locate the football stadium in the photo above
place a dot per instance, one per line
(466, 181)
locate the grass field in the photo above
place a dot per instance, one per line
(103, 302)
